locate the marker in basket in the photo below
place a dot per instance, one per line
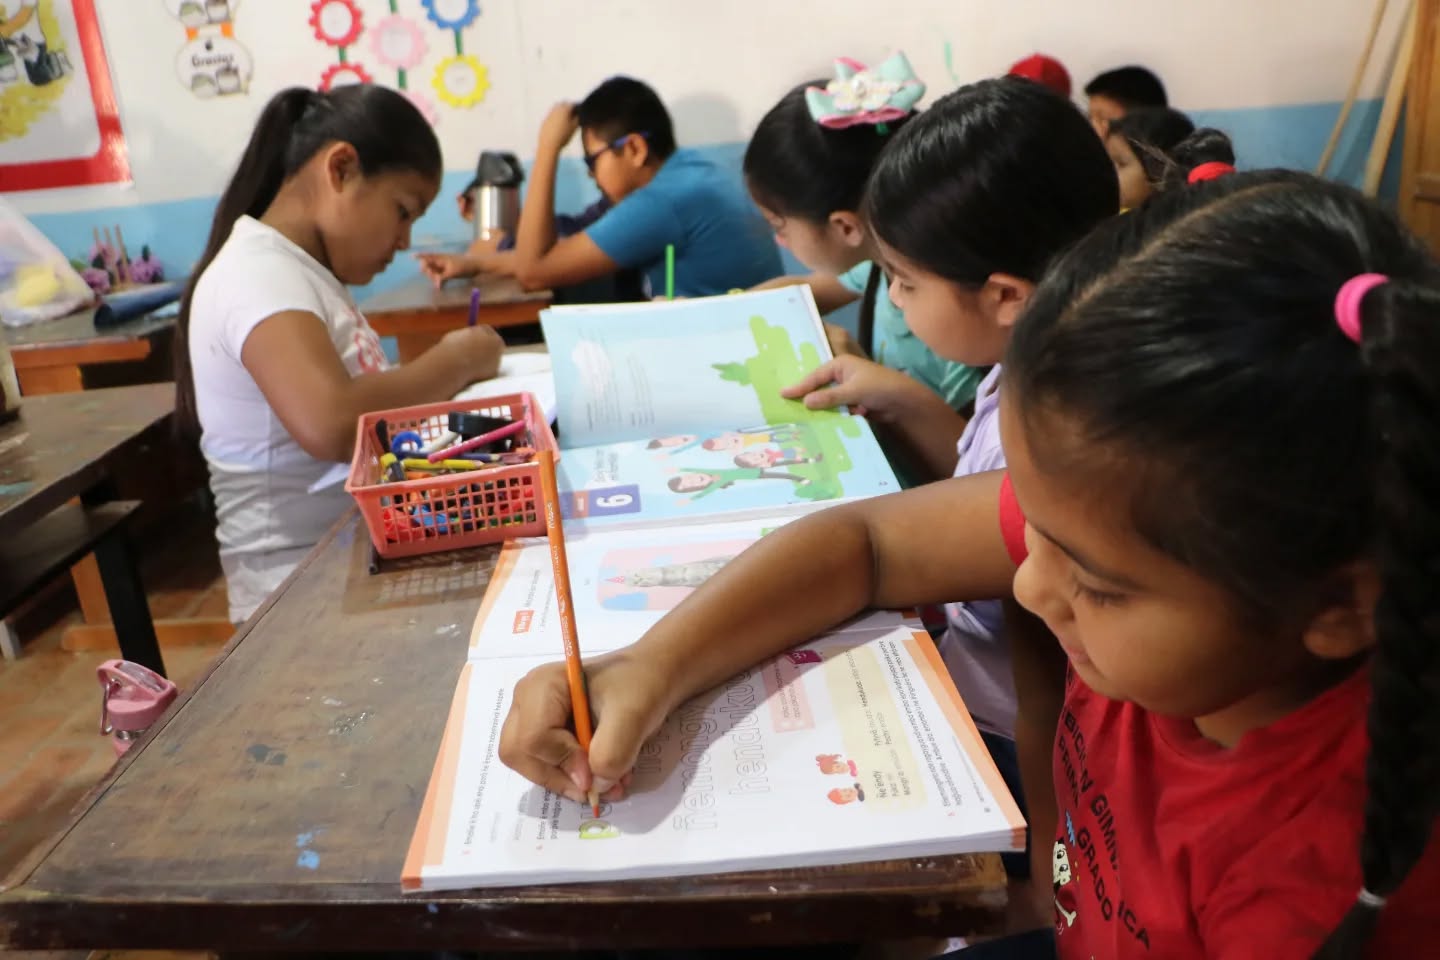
(574, 672)
(474, 307)
(452, 452)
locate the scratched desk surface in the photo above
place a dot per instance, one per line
(57, 447)
(272, 809)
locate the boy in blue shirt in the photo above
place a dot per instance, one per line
(661, 196)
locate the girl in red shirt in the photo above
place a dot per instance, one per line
(1223, 428)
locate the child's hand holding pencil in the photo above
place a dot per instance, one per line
(629, 700)
(567, 760)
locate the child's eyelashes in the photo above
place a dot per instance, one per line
(1100, 598)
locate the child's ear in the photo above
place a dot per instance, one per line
(342, 164)
(847, 227)
(639, 148)
(1005, 296)
(1345, 626)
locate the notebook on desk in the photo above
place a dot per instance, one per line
(854, 747)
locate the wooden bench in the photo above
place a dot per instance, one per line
(50, 546)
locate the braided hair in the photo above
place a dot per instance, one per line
(1214, 306)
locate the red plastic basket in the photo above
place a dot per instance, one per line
(449, 511)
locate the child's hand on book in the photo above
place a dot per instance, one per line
(629, 700)
(871, 389)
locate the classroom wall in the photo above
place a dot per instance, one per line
(1271, 73)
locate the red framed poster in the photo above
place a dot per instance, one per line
(59, 126)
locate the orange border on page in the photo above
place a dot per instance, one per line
(937, 678)
(427, 846)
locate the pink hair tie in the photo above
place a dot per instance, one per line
(1347, 302)
(1210, 171)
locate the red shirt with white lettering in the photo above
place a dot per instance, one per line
(1172, 846)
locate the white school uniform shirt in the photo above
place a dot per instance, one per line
(267, 519)
(973, 646)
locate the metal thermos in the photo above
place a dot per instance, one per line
(497, 194)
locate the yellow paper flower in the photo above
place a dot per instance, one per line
(461, 81)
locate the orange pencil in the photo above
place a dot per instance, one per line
(574, 672)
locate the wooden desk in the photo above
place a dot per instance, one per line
(66, 446)
(271, 809)
(417, 315)
(53, 357)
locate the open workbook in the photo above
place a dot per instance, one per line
(671, 411)
(850, 748)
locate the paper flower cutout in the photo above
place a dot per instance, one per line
(398, 42)
(343, 75)
(451, 14)
(336, 22)
(425, 105)
(461, 81)
(860, 95)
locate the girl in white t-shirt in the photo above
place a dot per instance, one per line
(274, 362)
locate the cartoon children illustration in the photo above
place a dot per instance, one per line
(834, 763)
(1061, 879)
(732, 441)
(673, 445)
(23, 33)
(843, 795)
(705, 482)
(770, 457)
(691, 574)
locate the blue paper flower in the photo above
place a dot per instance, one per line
(449, 20)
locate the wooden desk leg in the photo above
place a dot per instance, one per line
(120, 573)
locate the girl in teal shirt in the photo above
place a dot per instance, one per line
(806, 168)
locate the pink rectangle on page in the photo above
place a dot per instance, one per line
(789, 706)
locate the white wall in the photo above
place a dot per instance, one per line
(718, 64)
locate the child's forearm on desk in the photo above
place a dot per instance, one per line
(934, 544)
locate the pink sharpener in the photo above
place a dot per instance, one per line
(132, 697)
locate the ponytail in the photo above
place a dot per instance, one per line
(256, 181)
(384, 127)
(1205, 146)
(1399, 342)
(796, 167)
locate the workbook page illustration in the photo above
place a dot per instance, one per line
(622, 582)
(736, 470)
(859, 736)
(639, 371)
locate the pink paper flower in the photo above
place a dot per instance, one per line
(398, 42)
(425, 105)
